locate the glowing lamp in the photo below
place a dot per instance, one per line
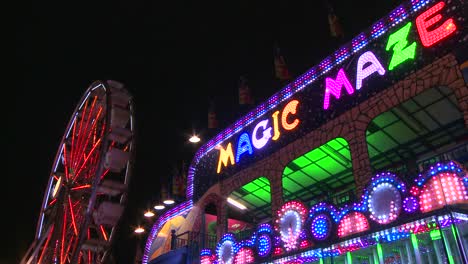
(194, 139)
(159, 207)
(139, 230)
(169, 201)
(236, 203)
(148, 214)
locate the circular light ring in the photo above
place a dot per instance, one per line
(321, 227)
(291, 218)
(264, 245)
(290, 225)
(206, 252)
(323, 207)
(264, 228)
(225, 249)
(296, 206)
(385, 177)
(384, 202)
(410, 204)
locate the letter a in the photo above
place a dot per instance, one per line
(362, 72)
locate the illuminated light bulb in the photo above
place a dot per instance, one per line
(169, 201)
(194, 139)
(159, 207)
(148, 214)
(139, 230)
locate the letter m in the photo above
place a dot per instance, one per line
(334, 87)
(225, 155)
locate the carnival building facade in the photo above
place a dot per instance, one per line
(362, 159)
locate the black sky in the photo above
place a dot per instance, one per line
(174, 57)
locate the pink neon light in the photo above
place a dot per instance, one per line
(443, 189)
(206, 260)
(364, 72)
(352, 223)
(244, 256)
(423, 22)
(334, 87)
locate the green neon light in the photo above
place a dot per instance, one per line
(454, 231)
(401, 50)
(319, 164)
(379, 251)
(414, 241)
(435, 234)
(450, 255)
(321, 261)
(349, 258)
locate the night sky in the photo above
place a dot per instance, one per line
(175, 57)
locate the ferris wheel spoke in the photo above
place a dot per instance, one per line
(105, 173)
(64, 231)
(46, 244)
(67, 253)
(80, 187)
(87, 172)
(87, 157)
(87, 132)
(82, 139)
(52, 202)
(72, 215)
(103, 232)
(79, 129)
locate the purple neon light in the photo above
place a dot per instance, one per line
(206, 252)
(398, 15)
(286, 92)
(417, 4)
(326, 65)
(378, 29)
(359, 42)
(341, 54)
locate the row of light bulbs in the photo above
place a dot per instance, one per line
(150, 213)
(168, 201)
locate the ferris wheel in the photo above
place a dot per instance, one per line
(87, 188)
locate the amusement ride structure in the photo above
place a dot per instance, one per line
(87, 188)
